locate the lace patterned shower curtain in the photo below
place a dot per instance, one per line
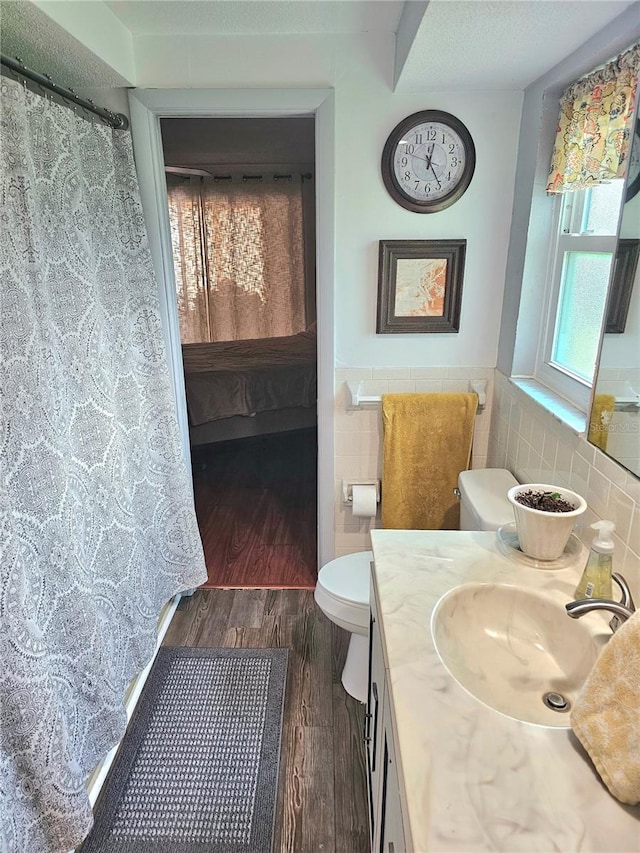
(97, 528)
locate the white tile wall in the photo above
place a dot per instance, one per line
(528, 441)
(358, 433)
(513, 432)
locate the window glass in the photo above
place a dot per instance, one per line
(583, 293)
(602, 208)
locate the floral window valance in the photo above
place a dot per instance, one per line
(594, 128)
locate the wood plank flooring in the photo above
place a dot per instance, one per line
(322, 796)
(256, 507)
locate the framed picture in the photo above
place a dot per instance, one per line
(624, 273)
(420, 285)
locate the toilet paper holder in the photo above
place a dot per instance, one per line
(347, 489)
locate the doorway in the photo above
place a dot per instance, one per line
(147, 107)
(241, 198)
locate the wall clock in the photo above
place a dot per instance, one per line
(633, 180)
(428, 161)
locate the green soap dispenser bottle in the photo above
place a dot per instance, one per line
(596, 578)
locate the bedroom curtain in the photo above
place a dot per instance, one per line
(97, 527)
(239, 258)
(594, 127)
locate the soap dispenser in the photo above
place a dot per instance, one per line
(596, 578)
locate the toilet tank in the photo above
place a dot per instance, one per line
(483, 498)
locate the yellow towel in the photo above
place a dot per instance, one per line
(606, 716)
(427, 442)
(601, 411)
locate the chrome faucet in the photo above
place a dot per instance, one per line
(622, 610)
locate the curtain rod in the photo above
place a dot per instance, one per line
(117, 121)
(276, 176)
(306, 176)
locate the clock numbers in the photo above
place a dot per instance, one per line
(428, 161)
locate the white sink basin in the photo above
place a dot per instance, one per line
(509, 647)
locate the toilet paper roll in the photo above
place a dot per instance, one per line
(364, 501)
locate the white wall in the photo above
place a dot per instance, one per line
(360, 69)
(366, 113)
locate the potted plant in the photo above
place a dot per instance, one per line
(545, 516)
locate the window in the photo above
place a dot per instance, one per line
(571, 240)
(580, 259)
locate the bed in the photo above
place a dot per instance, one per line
(237, 389)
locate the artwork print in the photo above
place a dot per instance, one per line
(420, 287)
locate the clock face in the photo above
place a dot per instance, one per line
(428, 161)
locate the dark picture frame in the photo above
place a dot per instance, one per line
(624, 273)
(420, 285)
(633, 180)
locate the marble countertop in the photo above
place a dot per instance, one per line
(473, 779)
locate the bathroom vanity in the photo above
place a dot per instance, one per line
(447, 772)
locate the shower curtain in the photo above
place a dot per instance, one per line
(97, 528)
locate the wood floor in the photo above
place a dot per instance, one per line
(321, 802)
(256, 507)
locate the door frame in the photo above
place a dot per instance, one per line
(147, 107)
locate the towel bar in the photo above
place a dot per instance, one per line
(627, 404)
(356, 399)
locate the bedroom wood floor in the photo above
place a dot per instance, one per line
(322, 801)
(256, 507)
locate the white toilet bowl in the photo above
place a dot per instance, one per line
(342, 593)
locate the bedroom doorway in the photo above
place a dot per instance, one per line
(241, 195)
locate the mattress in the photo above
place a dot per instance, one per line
(229, 378)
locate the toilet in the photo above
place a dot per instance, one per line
(342, 589)
(483, 498)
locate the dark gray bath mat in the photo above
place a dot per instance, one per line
(198, 767)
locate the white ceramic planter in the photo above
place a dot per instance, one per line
(544, 535)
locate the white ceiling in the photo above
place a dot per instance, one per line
(450, 44)
(459, 44)
(28, 33)
(250, 17)
(499, 44)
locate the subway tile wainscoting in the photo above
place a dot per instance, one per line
(531, 443)
(512, 432)
(358, 433)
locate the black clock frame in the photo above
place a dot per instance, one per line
(394, 188)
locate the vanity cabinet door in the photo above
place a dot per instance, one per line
(391, 827)
(373, 718)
